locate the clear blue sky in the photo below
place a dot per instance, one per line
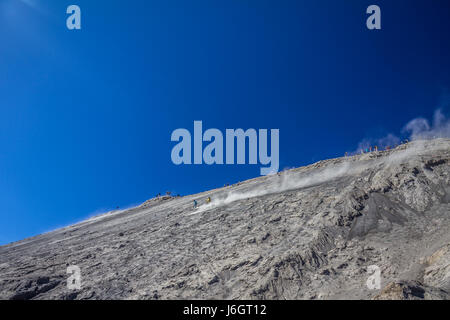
(86, 116)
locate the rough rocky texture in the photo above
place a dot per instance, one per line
(306, 233)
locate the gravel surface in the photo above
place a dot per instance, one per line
(307, 233)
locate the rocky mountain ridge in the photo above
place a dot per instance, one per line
(308, 233)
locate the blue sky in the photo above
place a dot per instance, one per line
(86, 116)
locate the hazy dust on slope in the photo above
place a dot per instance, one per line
(307, 233)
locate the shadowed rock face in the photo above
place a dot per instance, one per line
(411, 290)
(307, 233)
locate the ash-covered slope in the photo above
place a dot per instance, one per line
(307, 233)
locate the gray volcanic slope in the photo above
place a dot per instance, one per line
(307, 233)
